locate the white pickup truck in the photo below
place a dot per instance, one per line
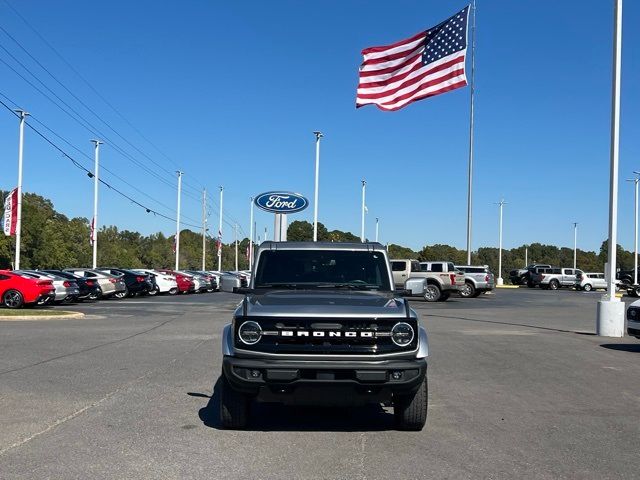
(435, 281)
(554, 278)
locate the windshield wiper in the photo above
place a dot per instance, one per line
(279, 285)
(351, 286)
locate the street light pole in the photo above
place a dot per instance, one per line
(251, 234)
(235, 229)
(178, 221)
(635, 227)
(318, 135)
(23, 115)
(204, 227)
(377, 228)
(575, 244)
(220, 232)
(502, 203)
(610, 314)
(96, 170)
(364, 192)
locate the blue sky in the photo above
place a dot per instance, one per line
(231, 92)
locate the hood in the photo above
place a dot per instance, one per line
(312, 303)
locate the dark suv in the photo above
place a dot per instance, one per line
(136, 283)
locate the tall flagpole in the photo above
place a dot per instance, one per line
(472, 88)
(364, 206)
(204, 227)
(610, 313)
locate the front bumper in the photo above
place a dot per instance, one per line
(633, 328)
(320, 382)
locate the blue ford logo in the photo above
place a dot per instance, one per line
(281, 202)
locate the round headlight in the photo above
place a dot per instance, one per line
(250, 333)
(633, 312)
(402, 334)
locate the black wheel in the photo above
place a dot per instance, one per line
(123, 294)
(153, 292)
(554, 284)
(444, 297)
(636, 291)
(234, 406)
(468, 290)
(587, 287)
(410, 412)
(95, 295)
(173, 291)
(431, 293)
(13, 299)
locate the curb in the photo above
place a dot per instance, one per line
(65, 316)
(507, 286)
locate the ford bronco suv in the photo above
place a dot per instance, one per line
(321, 324)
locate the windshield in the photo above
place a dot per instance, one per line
(322, 268)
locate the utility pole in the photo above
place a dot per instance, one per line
(204, 227)
(610, 313)
(502, 203)
(315, 197)
(235, 229)
(364, 192)
(377, 228)
(635, 227)
(251, 234)
(526, 257)
(265, 234)
(96, 170)
(575, 244)
(178, 220)
(23, 116)
(220, 232)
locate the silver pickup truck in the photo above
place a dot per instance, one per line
(554, 278)
(434, 281)
(321, 324)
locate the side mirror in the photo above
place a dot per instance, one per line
(243, 290)
(402, 292)
(415, 286)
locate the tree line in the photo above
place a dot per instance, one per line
(52, 240)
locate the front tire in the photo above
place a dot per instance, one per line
(587, 287)
(13, 299)
(432, 293)
(554, 284)
(174, 291)
(234, 406)
(153, 292)
(468, 290)
(410, 412)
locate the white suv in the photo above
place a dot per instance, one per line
(590, 281)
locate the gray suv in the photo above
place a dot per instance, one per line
(321, 324)
(477, 280)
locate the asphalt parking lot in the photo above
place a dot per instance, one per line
(519, 388)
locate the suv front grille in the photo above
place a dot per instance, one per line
(332, 336)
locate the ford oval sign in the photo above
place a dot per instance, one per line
(281, 202)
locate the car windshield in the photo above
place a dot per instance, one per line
(322, 269)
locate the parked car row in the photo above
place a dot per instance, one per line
(19, 288)
(548, 277)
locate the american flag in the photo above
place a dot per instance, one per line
(92, 231)
(219, 242)
(427, 64)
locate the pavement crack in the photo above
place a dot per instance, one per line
(80, 411)
(58, 357)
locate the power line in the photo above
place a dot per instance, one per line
(86, 170)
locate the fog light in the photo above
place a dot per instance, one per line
(254, 373)
(402, 334)
(396, 375)
(250, 333)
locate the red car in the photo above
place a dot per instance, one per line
(185, 282)
(16, 290)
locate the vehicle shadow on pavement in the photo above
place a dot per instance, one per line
(271, 417)
(622, 347)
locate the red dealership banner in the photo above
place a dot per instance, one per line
(11, 213)
(92, 231)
